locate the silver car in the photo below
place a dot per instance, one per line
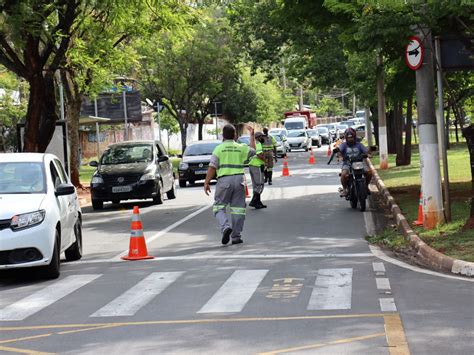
(282, 145)
(299, 139)
(316, 139)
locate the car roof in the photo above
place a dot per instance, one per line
(205, 142)
(133, 142)
(25, 157)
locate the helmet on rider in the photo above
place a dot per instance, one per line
(350, 135)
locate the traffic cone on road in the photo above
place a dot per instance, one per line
(419, 221)
(247, 194)
(329, 149)
(286, 170)
(312, 159)
(137, 249)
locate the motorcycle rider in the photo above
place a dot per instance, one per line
(351, 148)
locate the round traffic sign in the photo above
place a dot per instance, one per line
(414, 53)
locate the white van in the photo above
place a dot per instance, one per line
(295, 122)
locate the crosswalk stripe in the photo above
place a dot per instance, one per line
(45, 297)
(387, 305)
(332, 290)
(382, 283)
(378, 267)
(235, 292)
(129, 302)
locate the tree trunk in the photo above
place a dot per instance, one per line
(408, 130)
(391, 131)
(33, 115)
(183, 127)
(399, 128)
(200, 128)
(375, 123)
(446, 133)
(73, 101)
(468, 133)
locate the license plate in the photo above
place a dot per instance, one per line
(295, 145)
(118, 189)
(200, 172)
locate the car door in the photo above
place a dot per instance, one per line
(166, 167)
(62, 203)
(72, 200)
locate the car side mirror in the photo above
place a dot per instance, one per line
(163, 158)
(64, 189)
(94, 164)
(180, 156)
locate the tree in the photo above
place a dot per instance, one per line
(329, 107)
(189, 69)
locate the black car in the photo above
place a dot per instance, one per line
(132, 170)
(195, 161)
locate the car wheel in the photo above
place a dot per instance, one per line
(171, 194)
(182, 183)
(74, 252)
(192, 182)
(52, 270)
(158, 199)
(115, 202)
(97, 205)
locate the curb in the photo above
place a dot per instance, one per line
(425, 253)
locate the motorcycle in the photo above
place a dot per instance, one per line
(357, 187)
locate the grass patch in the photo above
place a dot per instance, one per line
(390, 238)
(404, 185)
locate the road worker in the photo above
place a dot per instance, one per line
(257, 170)
(269, 151)
(227, 162)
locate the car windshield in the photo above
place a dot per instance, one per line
(244, 139)
(294, 125)
(127, 154)
(349, 123)
(296, 134)
(311, 132)
(22, 178)
(342, 127)
(322, 130)
(331, 126)
(277, 137)
(200, 149)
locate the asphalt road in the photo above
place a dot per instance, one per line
(303, 281)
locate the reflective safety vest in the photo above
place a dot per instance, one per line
(269, 143)
(232, 156)
(256, 161)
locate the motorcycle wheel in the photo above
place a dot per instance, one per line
(362, 192)
(353, 198)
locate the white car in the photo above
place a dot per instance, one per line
(40, 215)
(299, 139)
(278, 131)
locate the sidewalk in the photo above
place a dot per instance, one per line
(424, 253)
(84, 195)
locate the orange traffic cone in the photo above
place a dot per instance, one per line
(419, 221)
(312, 159)
(247, 194)
(329, 149)
(286, 170)
(137, 249)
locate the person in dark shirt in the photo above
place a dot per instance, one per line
(352, 148)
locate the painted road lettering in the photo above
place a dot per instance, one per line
(285, 288)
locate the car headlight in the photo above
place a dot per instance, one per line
(26, 220)
(97, 180)
(183, 166)
(148, 176)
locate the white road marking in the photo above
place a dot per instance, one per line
(382, 283)
(387, 305)
(235, 293)
(333, 290)
(378, 267)
(129, 302)
(44, 297)
(232, 256)
(381, 255)
(167, 229)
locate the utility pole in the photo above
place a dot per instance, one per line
(429, 154)
(383, 149)
(125, 114)
(301, 98)
(441, 132)
(96, 112)
(215, 115)
(354, 106)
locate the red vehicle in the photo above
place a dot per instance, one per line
(310, 117)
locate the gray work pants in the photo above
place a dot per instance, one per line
(230, 190)
(257, 179)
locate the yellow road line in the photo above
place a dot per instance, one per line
(198, 321)
(87, 329)
(395, 335)
(25, 338)
(320, 345)
(23, 351)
